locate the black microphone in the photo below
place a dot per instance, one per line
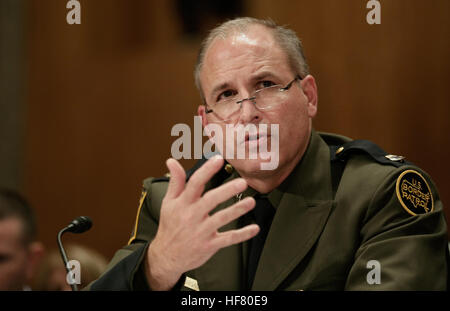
(78, 225)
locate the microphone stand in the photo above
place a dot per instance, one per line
(64, 256)
(78, 225)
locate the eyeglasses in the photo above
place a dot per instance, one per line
(266, 98)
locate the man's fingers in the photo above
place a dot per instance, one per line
(177, 179)
(220, 194)
(196, 184)
(231, 237)
(223, 217)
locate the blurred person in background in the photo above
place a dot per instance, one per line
(51, 274)
(20, 253)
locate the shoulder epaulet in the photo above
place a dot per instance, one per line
(189, 172)
(166, 177)
(222, 174)
(361, 146)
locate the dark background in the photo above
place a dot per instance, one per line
(93, 104)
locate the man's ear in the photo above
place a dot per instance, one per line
(309, 88)
(209, 128)
(35, 254)
(201, 111)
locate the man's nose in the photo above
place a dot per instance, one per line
(249, 112)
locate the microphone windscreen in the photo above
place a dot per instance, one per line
(80, 224)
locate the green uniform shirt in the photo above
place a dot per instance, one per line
(381, 228)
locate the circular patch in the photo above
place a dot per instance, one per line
(414, 193)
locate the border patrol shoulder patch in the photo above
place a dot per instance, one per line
(414, 193)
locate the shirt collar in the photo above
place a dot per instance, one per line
(311, 177)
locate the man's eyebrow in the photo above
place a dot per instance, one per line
(263, 75)
(219, 87)
(258, 76)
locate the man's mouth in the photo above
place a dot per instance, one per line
(256, 136)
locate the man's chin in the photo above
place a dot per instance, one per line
(253, 167)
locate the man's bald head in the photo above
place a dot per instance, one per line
(286, 39)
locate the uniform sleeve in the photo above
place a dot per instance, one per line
(403, 237)
(123, 273)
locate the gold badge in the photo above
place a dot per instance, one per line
(413, 193)
(191, 283)
(395, 158)
(229, 168)
(340, 149)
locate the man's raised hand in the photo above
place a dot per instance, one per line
(187, 235)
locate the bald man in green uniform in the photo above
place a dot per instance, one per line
(334, 214)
